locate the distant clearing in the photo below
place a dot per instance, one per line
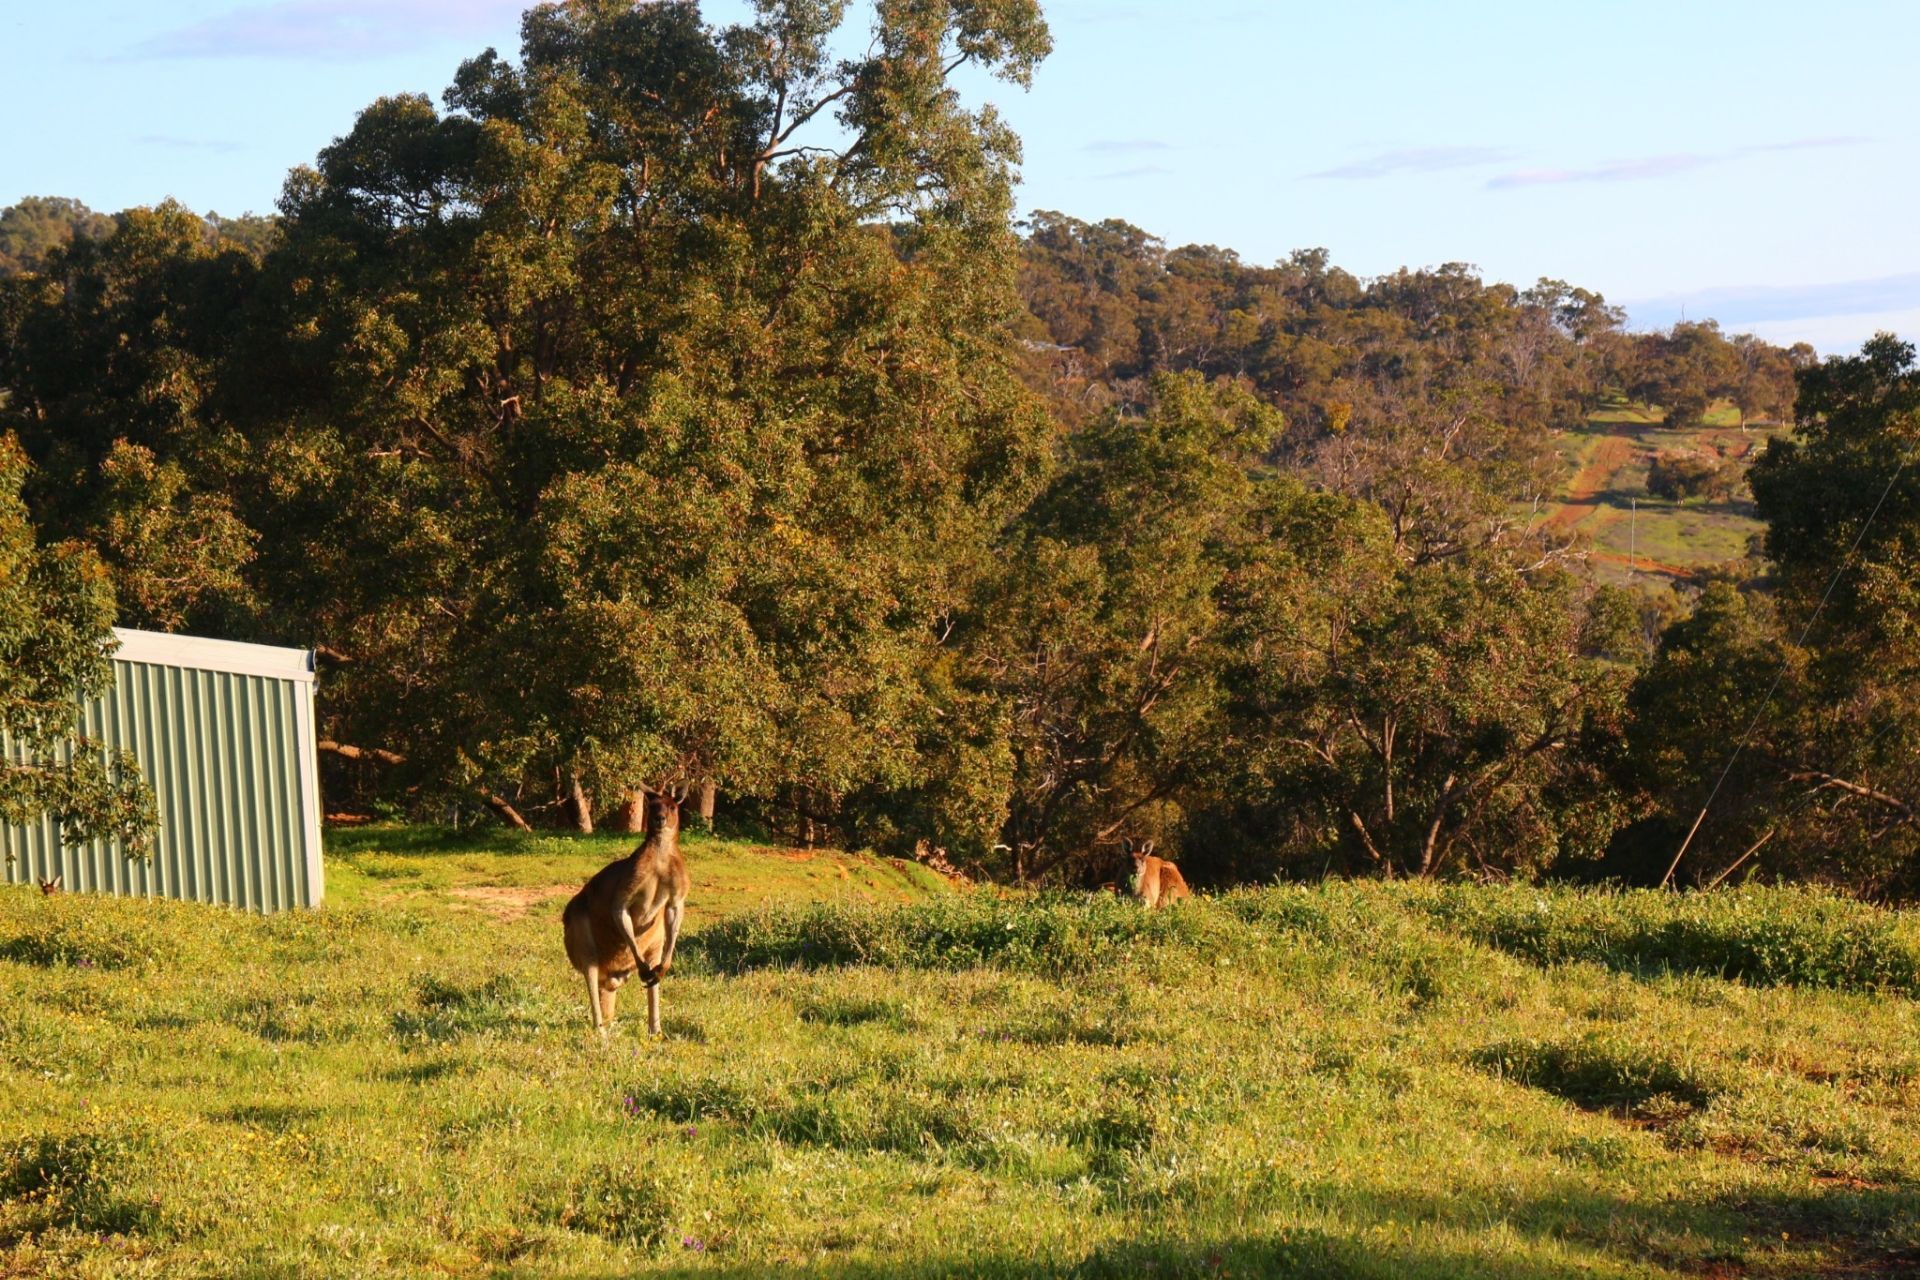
(1629, 533)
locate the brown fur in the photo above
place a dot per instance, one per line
(50, 887)
(626, 919)
(1156, 881)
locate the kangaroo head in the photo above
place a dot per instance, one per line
(51, 887)
(663, 817)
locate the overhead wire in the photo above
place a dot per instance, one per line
(1779, 674)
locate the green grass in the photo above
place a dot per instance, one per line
(872, 1075)
(489, 869)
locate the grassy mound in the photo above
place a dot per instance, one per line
(1060, 934)
(1764, 937)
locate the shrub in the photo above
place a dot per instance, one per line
(1675, 476)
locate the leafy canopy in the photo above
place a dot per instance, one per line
(56, 617)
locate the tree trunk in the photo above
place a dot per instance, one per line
(631, 816)
(708, 793)
(579, 805)
(507, 813)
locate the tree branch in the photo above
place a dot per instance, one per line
(1827, 781)
(350, 752)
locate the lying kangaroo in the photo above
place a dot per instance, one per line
(626, 919)
(1156, 881)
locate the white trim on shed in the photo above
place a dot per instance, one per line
(203, 654)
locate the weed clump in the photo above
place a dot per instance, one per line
(846, 1113)
(1762, 937)
(843, 1011)
(449, 1011)
(627, 1205)
(89, 931)
(69, 1180)
(1049, 934)
(1602, 1073)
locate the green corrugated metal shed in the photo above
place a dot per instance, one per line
(224, 734)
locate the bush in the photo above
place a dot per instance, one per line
(1675, 476)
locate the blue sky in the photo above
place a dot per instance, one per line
(1757, 162)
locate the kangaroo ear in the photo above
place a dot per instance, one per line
(1127, 844)
(1148, 849)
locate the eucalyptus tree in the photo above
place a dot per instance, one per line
(667, 377)
(1399, 717)
(1778, 725)
(56, 638)
(110, 357)
(39, 226)
(1101, 640)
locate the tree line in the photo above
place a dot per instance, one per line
(683, 406)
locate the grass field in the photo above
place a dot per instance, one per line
(867, 1073)
(1630, 534)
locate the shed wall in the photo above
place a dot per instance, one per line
(229, 757)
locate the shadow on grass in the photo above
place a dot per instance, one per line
(1303, 1253)
(1651, 507)
(414, 840)
(1821, 1232)
(426, 841)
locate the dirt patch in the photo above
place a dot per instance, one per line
(1595, 478)
(1643, 564)
(512, 903)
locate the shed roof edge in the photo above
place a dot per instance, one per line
(203, 653)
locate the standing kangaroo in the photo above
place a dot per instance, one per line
(626, 919)
(1156, 881)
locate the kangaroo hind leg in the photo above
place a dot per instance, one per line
(593, 998)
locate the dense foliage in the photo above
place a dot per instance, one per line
(680, 406)
(56, 611)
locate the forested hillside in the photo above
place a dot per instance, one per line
(680, 407)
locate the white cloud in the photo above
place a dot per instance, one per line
(1415, 160)
(328, 30)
